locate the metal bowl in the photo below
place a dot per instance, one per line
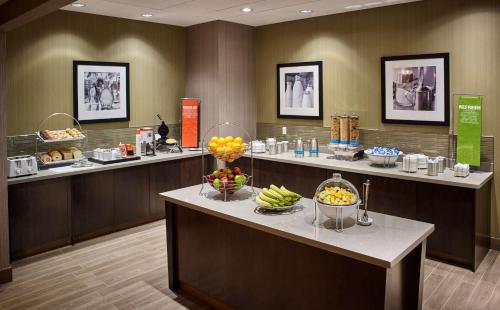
(337, 211)
(227, 187)
(384, 160)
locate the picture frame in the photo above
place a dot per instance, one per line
(416, 89)
(101, 91)
(306, 101)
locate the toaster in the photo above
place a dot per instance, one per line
(18, 166)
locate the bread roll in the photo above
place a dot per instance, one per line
(45, 158)
(76, 152)
(55, 155)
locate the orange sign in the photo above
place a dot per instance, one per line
(190, 130)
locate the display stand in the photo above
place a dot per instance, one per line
(41, 139)
(224, 189)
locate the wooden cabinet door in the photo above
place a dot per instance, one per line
(190, 170)
(387, 195)
(39, 217)
(131, 196)
(301, 179)
(451, 210)
(163, 177)
(92, 205)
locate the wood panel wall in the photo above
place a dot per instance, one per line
(40, 60)
(351, 44)
(4, 217)
(221, 72)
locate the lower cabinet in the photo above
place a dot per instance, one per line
(39, 217)
(48, 214)
(131, 196)
(93, 210)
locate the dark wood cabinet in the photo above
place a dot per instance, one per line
(388, 196)
(131, 196)
(300, 179)
(163, 177)
(451, 209)
(93, 211)
(39, 217)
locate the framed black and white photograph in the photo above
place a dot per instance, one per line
(101, 91)
(416, 89)
(300, 90)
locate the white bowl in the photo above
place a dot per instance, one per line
(383, 159)
(335, 212)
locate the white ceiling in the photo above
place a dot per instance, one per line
(191, 12)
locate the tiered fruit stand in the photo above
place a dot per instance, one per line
(225, 155)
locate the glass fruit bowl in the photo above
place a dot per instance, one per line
(227, 149)
(337, 198)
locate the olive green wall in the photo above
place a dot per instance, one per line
(351, 44)
(40, 58)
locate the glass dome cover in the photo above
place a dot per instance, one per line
(337, 192)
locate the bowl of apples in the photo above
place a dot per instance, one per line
(227, 149)
(227, 180)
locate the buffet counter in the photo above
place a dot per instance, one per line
(230, 252)
(69, 171)
(475, 180)
(460, 208)
(58, 208)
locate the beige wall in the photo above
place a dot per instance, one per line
(39, 67)
(351, 44)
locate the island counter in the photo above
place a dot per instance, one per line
(234, 257)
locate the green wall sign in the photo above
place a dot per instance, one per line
(469, 130)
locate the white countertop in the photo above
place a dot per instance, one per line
(68, 170)
(475, 180)
(384, 243)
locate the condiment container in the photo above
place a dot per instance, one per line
(410, 163)
(273, 149)
(335, 130)
(422, 161)
(314, 148)
(285, 146)
(354, 130)
(344, 131)
(441, 164)
(279, 147)
(432, 167)
(461, 170)
(299, 148)
(138, 142)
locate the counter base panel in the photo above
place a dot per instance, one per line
(229, 265)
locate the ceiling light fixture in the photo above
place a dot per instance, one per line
(353, 7)
(372, 3)
(147, 15)
(77, 5)
(246, 10)
(305, 11)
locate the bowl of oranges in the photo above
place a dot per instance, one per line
(227, 149)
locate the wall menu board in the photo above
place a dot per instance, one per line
(190, 123)
(469, 124)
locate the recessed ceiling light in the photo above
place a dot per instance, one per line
(246, 10)
(305, 11)
(372, 3)
(353, 7)
(77, 5)
(147, 15)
